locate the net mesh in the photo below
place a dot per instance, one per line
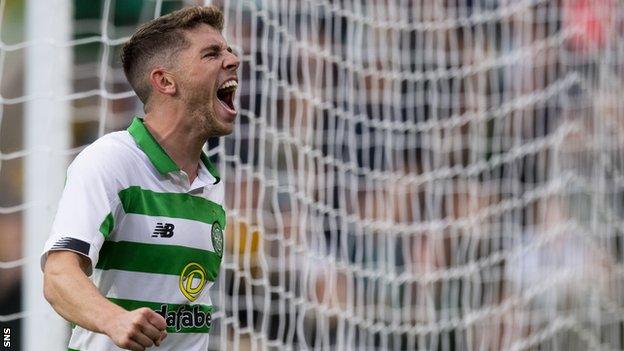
(432, 175)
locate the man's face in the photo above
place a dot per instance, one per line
(207, 80)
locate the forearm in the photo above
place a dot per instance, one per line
(74, 296)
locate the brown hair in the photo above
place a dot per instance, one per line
(159, 40)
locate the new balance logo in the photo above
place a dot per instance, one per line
(163, 230)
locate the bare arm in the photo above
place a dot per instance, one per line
(76, 298)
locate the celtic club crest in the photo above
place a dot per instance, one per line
(217, 238)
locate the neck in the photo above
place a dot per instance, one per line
(178, 135)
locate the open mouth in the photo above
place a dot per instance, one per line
(225, 93)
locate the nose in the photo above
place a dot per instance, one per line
(231, 61)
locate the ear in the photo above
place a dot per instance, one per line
(162, 81)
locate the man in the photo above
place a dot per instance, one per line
(142, 208)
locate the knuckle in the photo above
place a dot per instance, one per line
(125, 341)
(132, 332)
(138, 320)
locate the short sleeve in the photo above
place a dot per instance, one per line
(86, 210)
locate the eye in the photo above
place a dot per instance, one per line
(209, 54)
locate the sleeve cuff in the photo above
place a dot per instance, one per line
(72, 244)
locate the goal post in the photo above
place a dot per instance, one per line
(47, 139)
(402, 175)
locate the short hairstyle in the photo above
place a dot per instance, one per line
(159, 40)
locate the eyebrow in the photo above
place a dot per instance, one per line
(216, 47)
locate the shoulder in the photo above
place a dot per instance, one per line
(112, 154)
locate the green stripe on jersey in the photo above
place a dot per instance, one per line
(179, 318)
(157, 259)
(72, 349)
(107, 225)
(174, 205)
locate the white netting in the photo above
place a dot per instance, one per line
(432, 175)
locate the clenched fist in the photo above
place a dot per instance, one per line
(137, 330)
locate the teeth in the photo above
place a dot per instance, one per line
(229, 84)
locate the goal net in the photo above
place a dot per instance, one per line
(403, 175)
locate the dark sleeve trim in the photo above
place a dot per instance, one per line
(73, 244)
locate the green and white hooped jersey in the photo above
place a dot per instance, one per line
(153, 240)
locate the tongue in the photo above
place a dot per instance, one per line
(229, 101)
(226, 99)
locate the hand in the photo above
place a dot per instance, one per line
(137, 330)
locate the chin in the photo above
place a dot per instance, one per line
(225, 130)
(216, 128)
(217, 124)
